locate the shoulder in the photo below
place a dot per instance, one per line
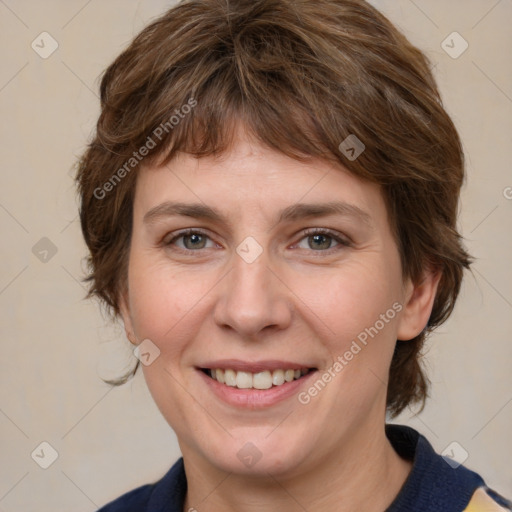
(168, 494)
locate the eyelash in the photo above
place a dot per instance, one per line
(342, 241)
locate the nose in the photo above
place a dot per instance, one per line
(252, 298)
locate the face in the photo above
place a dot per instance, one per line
(268, 269)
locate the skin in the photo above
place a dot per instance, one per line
(298, 301)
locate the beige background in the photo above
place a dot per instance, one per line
(56, 346)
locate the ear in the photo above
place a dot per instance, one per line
(418, 305)
(124, 309)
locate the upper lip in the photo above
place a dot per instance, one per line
(254, 366)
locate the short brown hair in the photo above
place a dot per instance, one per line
(301, 75)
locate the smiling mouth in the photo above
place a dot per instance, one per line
(261, 380)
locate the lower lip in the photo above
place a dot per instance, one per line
(255, 398)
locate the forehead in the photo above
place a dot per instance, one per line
(251, 170)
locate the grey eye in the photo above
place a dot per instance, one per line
(320, 241)
(194, 241)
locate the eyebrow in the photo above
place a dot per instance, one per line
(291, 213)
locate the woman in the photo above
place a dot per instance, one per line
(270, 205)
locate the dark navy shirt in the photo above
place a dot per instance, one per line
(432, 486)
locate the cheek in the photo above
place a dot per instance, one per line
(350, 300)
(162, 298)
(357, 308)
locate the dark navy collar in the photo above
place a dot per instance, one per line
(433, 484)
(169, 494)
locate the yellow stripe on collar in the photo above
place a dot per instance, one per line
(482, 502)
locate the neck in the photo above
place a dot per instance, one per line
(366, 474)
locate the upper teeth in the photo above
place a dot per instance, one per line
(260, 380)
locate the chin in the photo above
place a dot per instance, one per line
(256, 455)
